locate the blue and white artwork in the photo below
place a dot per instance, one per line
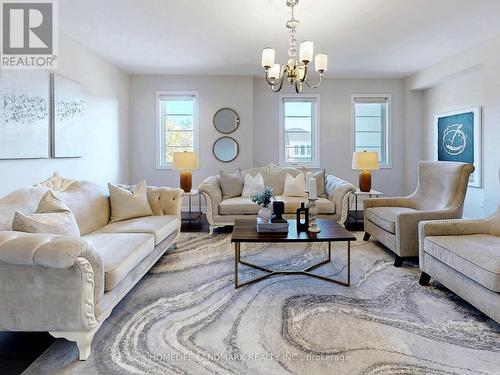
(458, 138)
(68, 103)
(24, 114)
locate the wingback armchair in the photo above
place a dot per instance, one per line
(464, 256)
(440, 194)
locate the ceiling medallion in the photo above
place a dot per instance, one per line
(295, 71)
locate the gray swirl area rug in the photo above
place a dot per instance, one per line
(186, 317)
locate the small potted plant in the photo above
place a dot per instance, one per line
(264, 199)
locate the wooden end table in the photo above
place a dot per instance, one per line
(245, 230)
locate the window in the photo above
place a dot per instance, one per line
(177, 128)
(372, 125)
(299, 130)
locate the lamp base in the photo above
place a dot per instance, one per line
(365, 181)
(186, 181)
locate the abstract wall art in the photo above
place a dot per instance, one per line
(458, 138)
(24, 114)
(67, 117)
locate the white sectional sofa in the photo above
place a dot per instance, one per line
(69, 285)
(223, 211)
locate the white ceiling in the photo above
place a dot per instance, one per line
(363, 38)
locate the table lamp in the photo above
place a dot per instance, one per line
(185, 162)
(365, 162)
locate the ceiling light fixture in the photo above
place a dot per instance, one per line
(296, 72)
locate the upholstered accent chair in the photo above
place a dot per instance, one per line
(464, 256)
(440, 194)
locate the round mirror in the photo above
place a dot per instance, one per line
(226, 149)
(226, 120)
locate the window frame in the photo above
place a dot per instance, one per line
(387, 130)
(160, 130)
(315, 146)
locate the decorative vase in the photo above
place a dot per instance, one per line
(265, 214)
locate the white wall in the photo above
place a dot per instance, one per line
(471, 78)
(335, 128)
(215, 92)
(106, 155)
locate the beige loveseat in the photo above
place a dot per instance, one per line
(221, 212)
(464, 255)
(69, 285)
(440, 194)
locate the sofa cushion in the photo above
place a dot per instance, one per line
(231, 184)
(295, 186)
(160, 226)
(89, 203)
(120, 253)
(51, 216)
(325, 206)
(238, 206)
(475, 256)
(129, 203)
(252, 185)
(385, 217)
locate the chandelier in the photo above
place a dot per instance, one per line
(295, 71)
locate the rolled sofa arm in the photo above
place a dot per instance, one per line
(211, 190)
(338, 191)
(49, 282)
(165, 200)
(40, 249)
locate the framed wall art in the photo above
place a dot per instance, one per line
(458, 137)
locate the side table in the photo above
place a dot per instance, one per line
(190, 215)
(354, 217)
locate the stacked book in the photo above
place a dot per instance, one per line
(266, 227)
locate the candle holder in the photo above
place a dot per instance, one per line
(313, 211)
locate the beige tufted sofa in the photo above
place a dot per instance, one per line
(440, 194)
(221, 212)
(69, 285)
(464, 255)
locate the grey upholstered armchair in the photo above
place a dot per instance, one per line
(464, 256)
(440, 194)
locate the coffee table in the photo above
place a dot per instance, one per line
(245, 230)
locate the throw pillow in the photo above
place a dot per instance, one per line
(295, 186)
(252, 185)
(51, 216)
(231, 184)
(320, 182)
(129, 204)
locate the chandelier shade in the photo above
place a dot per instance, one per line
(296, 69)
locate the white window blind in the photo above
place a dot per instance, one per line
(371, 125)
(177, 125)
(298, 130)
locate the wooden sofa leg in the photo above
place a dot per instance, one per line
(367, 236)
(398, 262)
(83, 341)
(424, 279)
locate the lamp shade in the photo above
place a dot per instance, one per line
(185, 161)
(321, 62)
(306, 51)
(274, 72)
(365, 160)
(268, 57)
